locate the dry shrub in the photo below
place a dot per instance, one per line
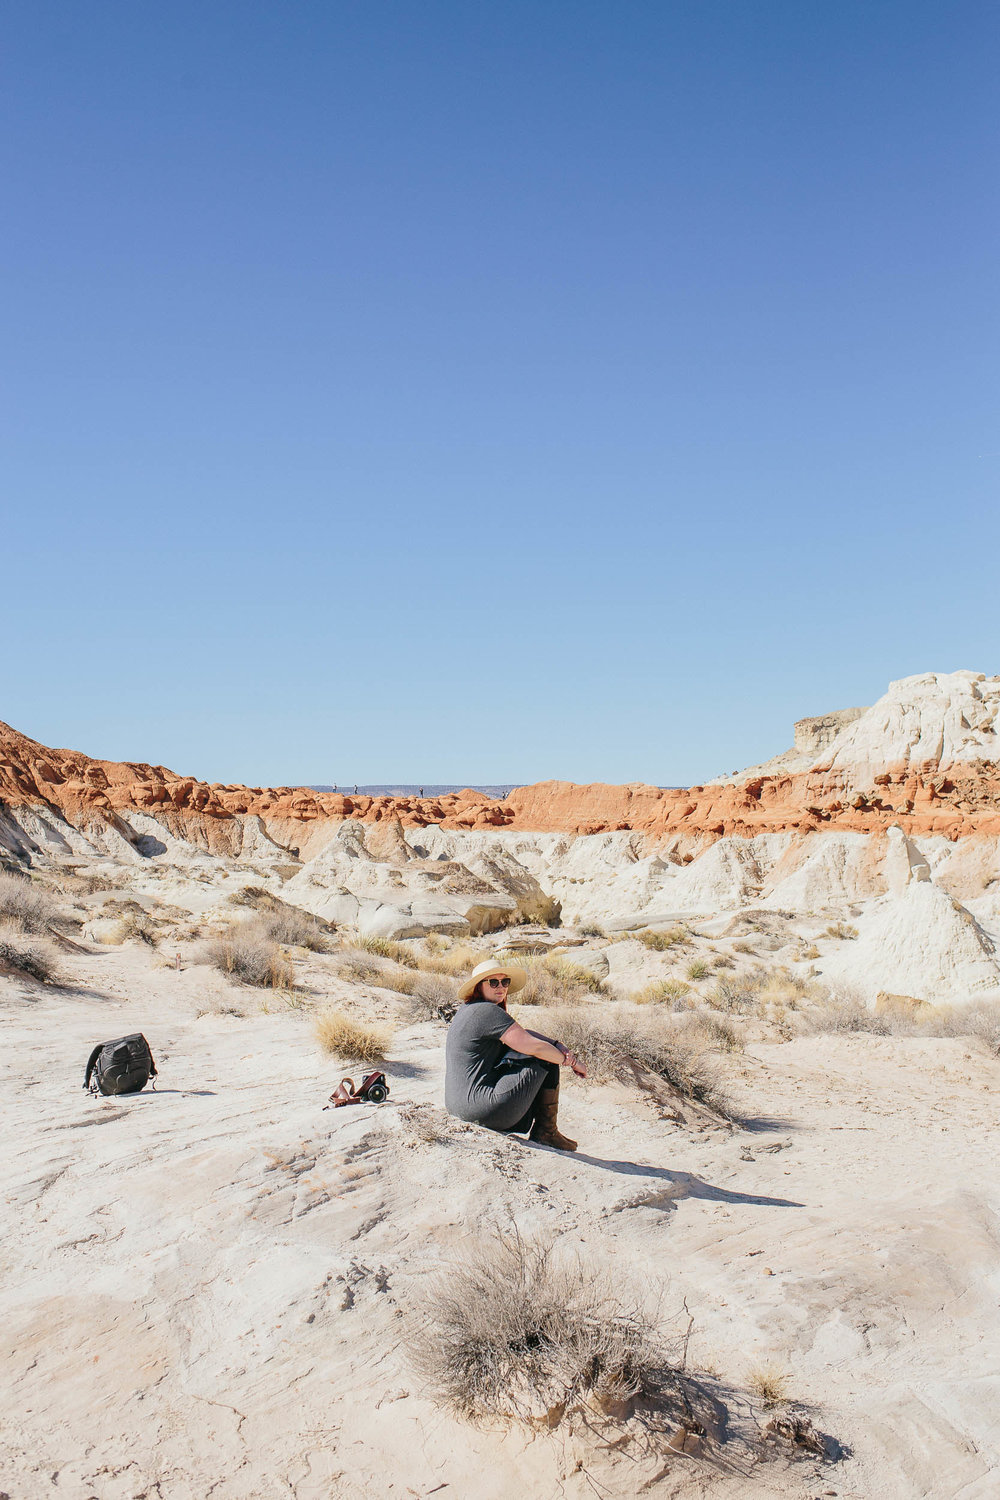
(452, 961)
(23, 905)
(513, 1331)
(845, 1009)
(769, 1383)
(699, 968)
(745, 948)
(842, 930)
(402, 981)
(249, 957)
(591, 929)
(294, 928)
(434, 997)
(605, 1044)
(552, 979)
(136, 926)
(660, 942)
(340, 1034)
(672, 992)
(738, 992)
(386, 948)
(26, 954)
(283, 923)
(710, 1031)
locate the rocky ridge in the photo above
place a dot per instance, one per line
(894, 825)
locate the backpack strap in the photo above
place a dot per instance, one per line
(90, 1063)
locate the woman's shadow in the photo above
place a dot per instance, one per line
(679, 1185)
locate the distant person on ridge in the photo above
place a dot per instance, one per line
(498, 1074)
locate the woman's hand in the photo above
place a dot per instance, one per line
(572, 1061)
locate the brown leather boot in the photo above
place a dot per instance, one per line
(545, 1131)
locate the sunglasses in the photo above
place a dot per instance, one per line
(498, 984)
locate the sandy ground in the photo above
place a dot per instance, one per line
(209, 1290)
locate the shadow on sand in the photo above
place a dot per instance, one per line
(683, 1184)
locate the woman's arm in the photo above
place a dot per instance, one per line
(530, 1044)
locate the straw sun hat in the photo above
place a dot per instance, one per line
(486, 970)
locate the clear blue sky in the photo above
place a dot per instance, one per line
(483, 392)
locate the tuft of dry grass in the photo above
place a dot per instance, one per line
(386, 948)
(607, 1042)
(699, 968)
(249, 957)
(744, 947)
(295, 929)
(552, 979)
(513, 1331)
(672, 992)
(769, 1383)
(842, 930)
(343, 1036)
(23, 905)
(591, 929)
(661, 942)
(26, 954)
(452, 961)
(710, 1031)
(434, 997)
(136, 926)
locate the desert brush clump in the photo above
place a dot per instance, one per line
(283, 923)
(342, 1036)
(386, 948)
(672, 992)
(661, 942)
(769, 1383)
(24, 905)
(712, 1032)
(360, 967)
(434, 997)
(452, 960)
(249, 957)
(845, 1009)
(552, 979)
(137, 927)
(698, 968)
(26, 954)
(591, 929)
(610, 1044)
(515, 1330)
(841, 930)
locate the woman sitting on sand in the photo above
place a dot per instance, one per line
(496, 1073)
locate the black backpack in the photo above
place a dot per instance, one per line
(121, 1067)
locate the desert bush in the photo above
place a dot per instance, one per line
(248, 895)
(136, 926)
(841, 930)
(453, 961)
(723, 961)
(607, 1042)
(699, 968)
(386, 948)
(402, 981)
(26, 954)
(591, 929)
(434, 997)
(23, 905)
(294, 928)
(738, 992)
(980, 1021)
(672, 992)
(342, 1035)
(744, 947)
(552, 979)
(249, 957)
(661, 941)
(512, 1331)
(769, 1383)
(710, 1031)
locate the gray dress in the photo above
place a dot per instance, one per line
(485, 1082)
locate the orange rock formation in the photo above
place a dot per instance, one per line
(928, 800)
